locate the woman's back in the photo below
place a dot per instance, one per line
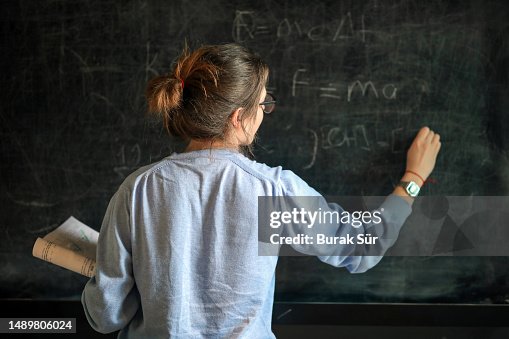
(192, 240)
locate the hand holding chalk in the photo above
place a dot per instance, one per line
(422, 154)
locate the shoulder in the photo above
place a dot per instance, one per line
(257, 169)
(289, 182)
(133, 180)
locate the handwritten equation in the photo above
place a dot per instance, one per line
(352, 89)
(248, 25)
(356, 136)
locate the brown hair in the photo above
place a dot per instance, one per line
(204, 88)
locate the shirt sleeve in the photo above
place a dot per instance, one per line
(110, 298)
(393, 212)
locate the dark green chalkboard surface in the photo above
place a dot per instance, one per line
(355, 80)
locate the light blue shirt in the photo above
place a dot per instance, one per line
(178, 249)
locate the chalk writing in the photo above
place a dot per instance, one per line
(248, 24)
(328, 137)
(364, 88)
(126, 165)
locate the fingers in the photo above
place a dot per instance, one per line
(428, 136)
(423, 133)
(436, 140)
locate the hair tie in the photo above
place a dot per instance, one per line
(182, 83)
(422, 179)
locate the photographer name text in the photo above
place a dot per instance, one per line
(323, 239)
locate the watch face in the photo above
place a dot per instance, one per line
(412, 189)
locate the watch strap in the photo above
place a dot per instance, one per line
(411, 188)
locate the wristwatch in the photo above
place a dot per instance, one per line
(410, 187)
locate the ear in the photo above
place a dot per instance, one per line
(235, 118)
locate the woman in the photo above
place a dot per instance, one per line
(178, 248)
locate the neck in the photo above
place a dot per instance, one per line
(196, 145)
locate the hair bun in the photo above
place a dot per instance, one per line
(164, 94)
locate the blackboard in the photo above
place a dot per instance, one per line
(354, 80)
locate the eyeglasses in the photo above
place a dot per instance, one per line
(268, 104)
